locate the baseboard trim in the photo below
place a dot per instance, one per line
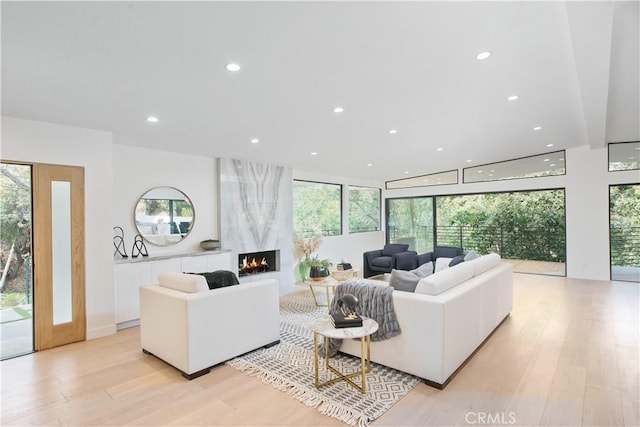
(448, 380)
(100, 332)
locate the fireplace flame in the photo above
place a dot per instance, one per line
(254, 265)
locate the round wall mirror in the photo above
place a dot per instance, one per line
(164, 216)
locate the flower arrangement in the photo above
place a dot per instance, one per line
(305, 246)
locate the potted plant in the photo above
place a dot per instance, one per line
(304, 247)
(318, 268)
(210, 244)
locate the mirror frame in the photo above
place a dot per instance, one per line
(165, 241)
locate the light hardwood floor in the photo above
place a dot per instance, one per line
(567, 355)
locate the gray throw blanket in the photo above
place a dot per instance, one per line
(374, 301)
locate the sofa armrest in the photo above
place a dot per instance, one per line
(424, 258)
(366, 262)
(405, 260)
(369, 255)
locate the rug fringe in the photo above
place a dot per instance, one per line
(308, 397)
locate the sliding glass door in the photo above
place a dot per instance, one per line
(16, 281)
(624, 232)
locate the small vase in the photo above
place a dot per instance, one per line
(303, 271)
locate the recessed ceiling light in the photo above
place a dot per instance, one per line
(483, 55)
(393, 131)
(255, 140)
(552, 164)
(490, 174)
(546, 160)
(439, 149)
(549, 145)
(406, 172)
(338, 110)
(492, 170)
(561, 159)
(468, 160)
(232, 67)
(513, 97)
(480, 171)
(537, 128)
(369, 164)
(314, 153)
(152, 119)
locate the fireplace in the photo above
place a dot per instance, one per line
(258, 262)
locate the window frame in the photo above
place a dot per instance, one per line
(341, 187)
(350, 186)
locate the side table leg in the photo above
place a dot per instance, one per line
(326, 351)
(362, 367)
(328, 301)
(315, 356)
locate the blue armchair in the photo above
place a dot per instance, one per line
(386, 259)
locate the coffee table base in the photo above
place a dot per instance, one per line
(365, 364)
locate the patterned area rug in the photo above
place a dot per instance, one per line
(288, 366)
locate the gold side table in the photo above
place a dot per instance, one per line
(328, 283)
(324, 327)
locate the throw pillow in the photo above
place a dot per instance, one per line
(402, 280)
(442, 263)
(471, 256)
(424, 270)
(456, 260)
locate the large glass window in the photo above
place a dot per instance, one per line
(364, 209)
(526, 228)
(410, 220)
(317, 208)
(624, 235)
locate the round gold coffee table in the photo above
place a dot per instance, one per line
(324, 327)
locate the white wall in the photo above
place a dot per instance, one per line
(137, 170)
(586, 187)
(30, 141)
(347, 246)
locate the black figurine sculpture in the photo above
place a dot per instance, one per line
(348, 304)
(139, 247)
(118, 242)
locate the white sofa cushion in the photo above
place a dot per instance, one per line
(444, 280)
(190, 283)
(484, 263)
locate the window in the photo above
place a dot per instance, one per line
(410, 221)
(317, 208)
(526, 228)
(624, 232)
(364, 209)
(440, 178)
(548, 164)
(624, 156)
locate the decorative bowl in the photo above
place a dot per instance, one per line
(208, 245)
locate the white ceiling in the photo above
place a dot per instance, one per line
(409, 66)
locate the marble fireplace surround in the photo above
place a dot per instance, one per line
(256, 214)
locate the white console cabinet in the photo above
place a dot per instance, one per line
(131, 273)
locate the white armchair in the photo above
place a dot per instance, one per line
(193, 328)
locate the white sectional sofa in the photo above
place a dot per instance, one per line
(445, 320)
(193, 328)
